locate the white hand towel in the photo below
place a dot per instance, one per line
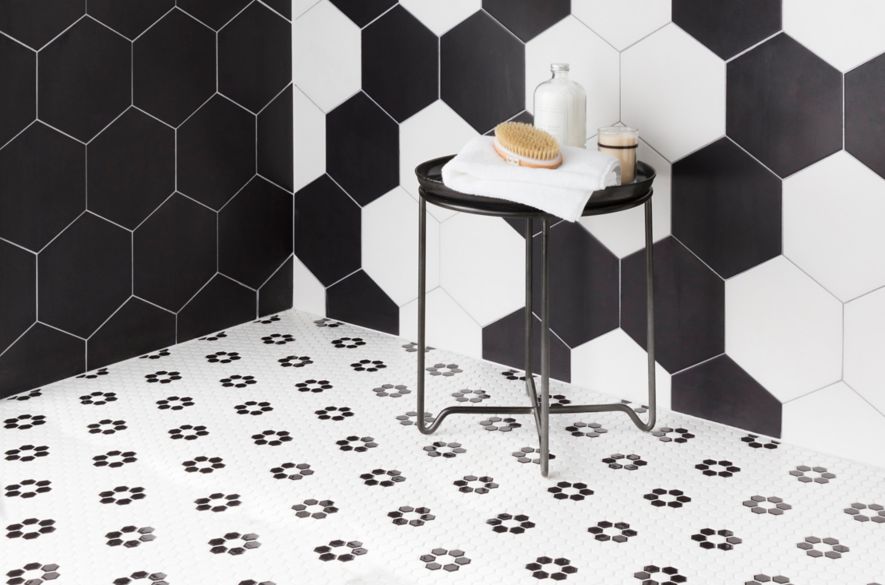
(478, 170)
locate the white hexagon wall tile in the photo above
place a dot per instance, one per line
(844, 33)
(673, 91)
(390, 246)
(310, 148)
(448, 325)
(865, 347)
(481, 266)
(833, 212)
(615, 364)
(608, 17)
(326, 54)
(438, 16)
(308, 293)
(594, 64)
(624, 233)
(783, 328)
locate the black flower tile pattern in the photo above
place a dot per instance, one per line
(816, 474)
(471, 484)
(122, 495)
(606, 531)
(763, 578)
(771, 505)
(356, 444)
(447, 560)
(368, 365)
(338, 550)
(411, 417)
(234, 543)
(660, 498)
(106, 426)
(130, 536)
(316, 509)
(530, 455)
(671, 435)
(630, 462)
(473, 396)
(203, 464)
(826, 547)
(238, 381)
(757, 442)
(144, 576)
(292, 471)
(253, 408)
(33, 574)
(313, 386)
(272, 438)
(444, 450)
(188, 432)
(497, 423)
(708, 538)
(217, 502)
(114, 459)
(334, 413)
(411, 516)
(565, 490)
(557, 569)
(24, 422)
(391, 390)
(27, 453)
(30, 528)
(721, 468)
(867, 512)
(655, 575)
(585, 429)
(27, 488)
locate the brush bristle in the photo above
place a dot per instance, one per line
(528, 141)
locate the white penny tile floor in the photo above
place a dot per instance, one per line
(284, 452)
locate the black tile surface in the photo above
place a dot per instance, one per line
(689, 305)
(131, 168)
(41, 356)
(17, 100)
(583, 284)
(35, 23)
(327, 230)
(254, 57)
(84, 79)
(357, 299)
(479, 55)
(800, 95)
(129, 17)
(255, 232)
(174, 253)
(362, 149)
(275, 148)
(284, 7)
(215, 13)
(726, 208)
(276, 294)
(865, 113)
(216, 152)
(728, 27)
(135, 329)
(222, 303)
(503, 343)
(528, 18)
(43, 185)
(720, 390)
(84, 275)
(177, 52)
(362, 12)
(399, 42)
(17, 292)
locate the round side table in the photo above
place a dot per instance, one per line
(609, 200)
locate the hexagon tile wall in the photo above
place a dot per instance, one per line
(769, 201)
(146, 164)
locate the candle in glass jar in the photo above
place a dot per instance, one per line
(620, 142)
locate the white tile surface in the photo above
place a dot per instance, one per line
(865, 346)
(833, 212)
(390, 245)
(433, 132)
(299, 7)
(326, 55)
(622, 22)
(308, 292)
(844, 33)
(448, 326)
(673, 91)
(441, 16)
(783, 329)
(593, 63)
(624, 233)
(481, 266)
(310, 144)
(615, 364)
(836, 420)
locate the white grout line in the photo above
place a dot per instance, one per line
(19, 338)
(60, 330)
(343, 278)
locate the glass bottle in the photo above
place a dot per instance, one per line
(561, 107)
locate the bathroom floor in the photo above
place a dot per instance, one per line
(284, 451)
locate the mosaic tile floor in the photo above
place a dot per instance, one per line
(284, 452)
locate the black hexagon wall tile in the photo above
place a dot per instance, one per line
(726, 208)
(801, 96)
(128, 17)
(357, 299)
(479, 59)
(216, 152)
(221, 303)
(362, 149)
(362, 12)
(215, 13)
(689, 305)
(275, 295)
(400, 63)
(254, 56)
(17, 310)
(275, 156)
(44, 177)
(40, 356)
(865, 113)
(255, 232)
(503, 343)
(34, 23)
(174, 252)
(728, 27)
(327, 230)
(17, 100)
(84, 99)
(527, 18)
(176, 52)
(84, 275)
(131, 168)
(136, 329)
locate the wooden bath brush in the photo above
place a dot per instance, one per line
(526, 146)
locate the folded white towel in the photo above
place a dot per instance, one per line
(563, 192)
